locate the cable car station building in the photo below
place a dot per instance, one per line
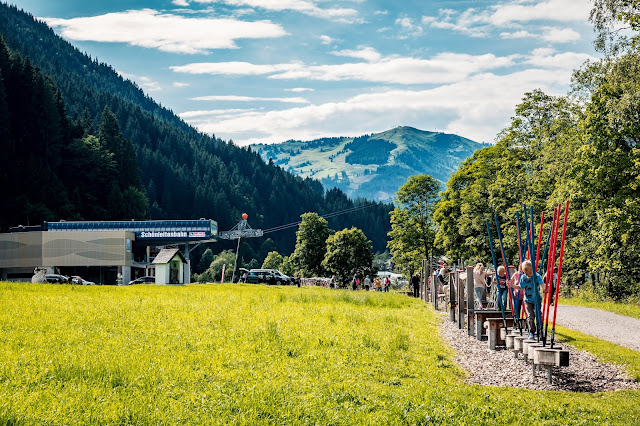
(99, 251)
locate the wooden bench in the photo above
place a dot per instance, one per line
(480, 318)
(493, 326)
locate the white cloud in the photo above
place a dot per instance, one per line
(480, 22)
(220, 113)
(550, 34)
(325, 39)
(409, 28)
(180, 84)
(183, 3)
(365, 52)
(441, 68)
(560, 35)
(164, 31)
(232, 98)
(381, 12)
(307, 7)
(233, 68)
(477, 107)
(299, 89)
(518, 34)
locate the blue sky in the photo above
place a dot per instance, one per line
(272, 70)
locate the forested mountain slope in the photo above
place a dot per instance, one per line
(373, 166)
(184, 173)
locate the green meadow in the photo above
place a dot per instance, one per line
(249, 354)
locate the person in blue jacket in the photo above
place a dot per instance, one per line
(530, 282)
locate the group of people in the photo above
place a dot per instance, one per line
(525, 282)
(376, 285)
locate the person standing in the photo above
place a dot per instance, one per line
(479, 283)
(367, 283)
(387, 282)
(502, 288)
(415, 282)
(530, 281)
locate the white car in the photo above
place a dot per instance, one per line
(79, 280)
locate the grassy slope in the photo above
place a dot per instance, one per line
(322, 167)
(204, 354)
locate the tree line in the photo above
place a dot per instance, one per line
(581, 147)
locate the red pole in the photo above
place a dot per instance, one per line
(552, 264)
(564, 233)
(507, 276)
(547, 287)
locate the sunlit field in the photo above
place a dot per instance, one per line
(250, 354)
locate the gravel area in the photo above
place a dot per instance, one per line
(500, 368)
(624, 331)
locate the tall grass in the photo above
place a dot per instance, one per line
(242, 354)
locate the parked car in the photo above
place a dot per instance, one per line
(143, 280)
(56, 278)
(269, 276)
(252, 278)
(79, 280)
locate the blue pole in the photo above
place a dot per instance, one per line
(495, 267)
(537, 286)
(506, 265)
(520, 254)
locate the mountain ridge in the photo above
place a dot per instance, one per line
(375, 165)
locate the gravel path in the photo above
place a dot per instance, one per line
(604, 325)
(500, 368)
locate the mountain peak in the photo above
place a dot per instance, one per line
(375, 165)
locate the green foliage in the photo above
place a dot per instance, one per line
(366, 150)
(205, 261)
(213, 273)
(246, 354)
(288, 268)
(52, 169)
(274, 260)
(348, 252)
(412, 229)
(311, 243)
(609, 17)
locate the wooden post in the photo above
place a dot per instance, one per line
(424, 285)
(435, 293)
(460, 302)
(470, 328)
(452, 298)
(429, 278)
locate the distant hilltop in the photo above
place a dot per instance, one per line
(373, 166)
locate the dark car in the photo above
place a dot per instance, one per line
(143, 280)
(269, 276)
(252, 278)
(56, 278)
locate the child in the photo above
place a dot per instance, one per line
(530, 281)
(502, 288)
